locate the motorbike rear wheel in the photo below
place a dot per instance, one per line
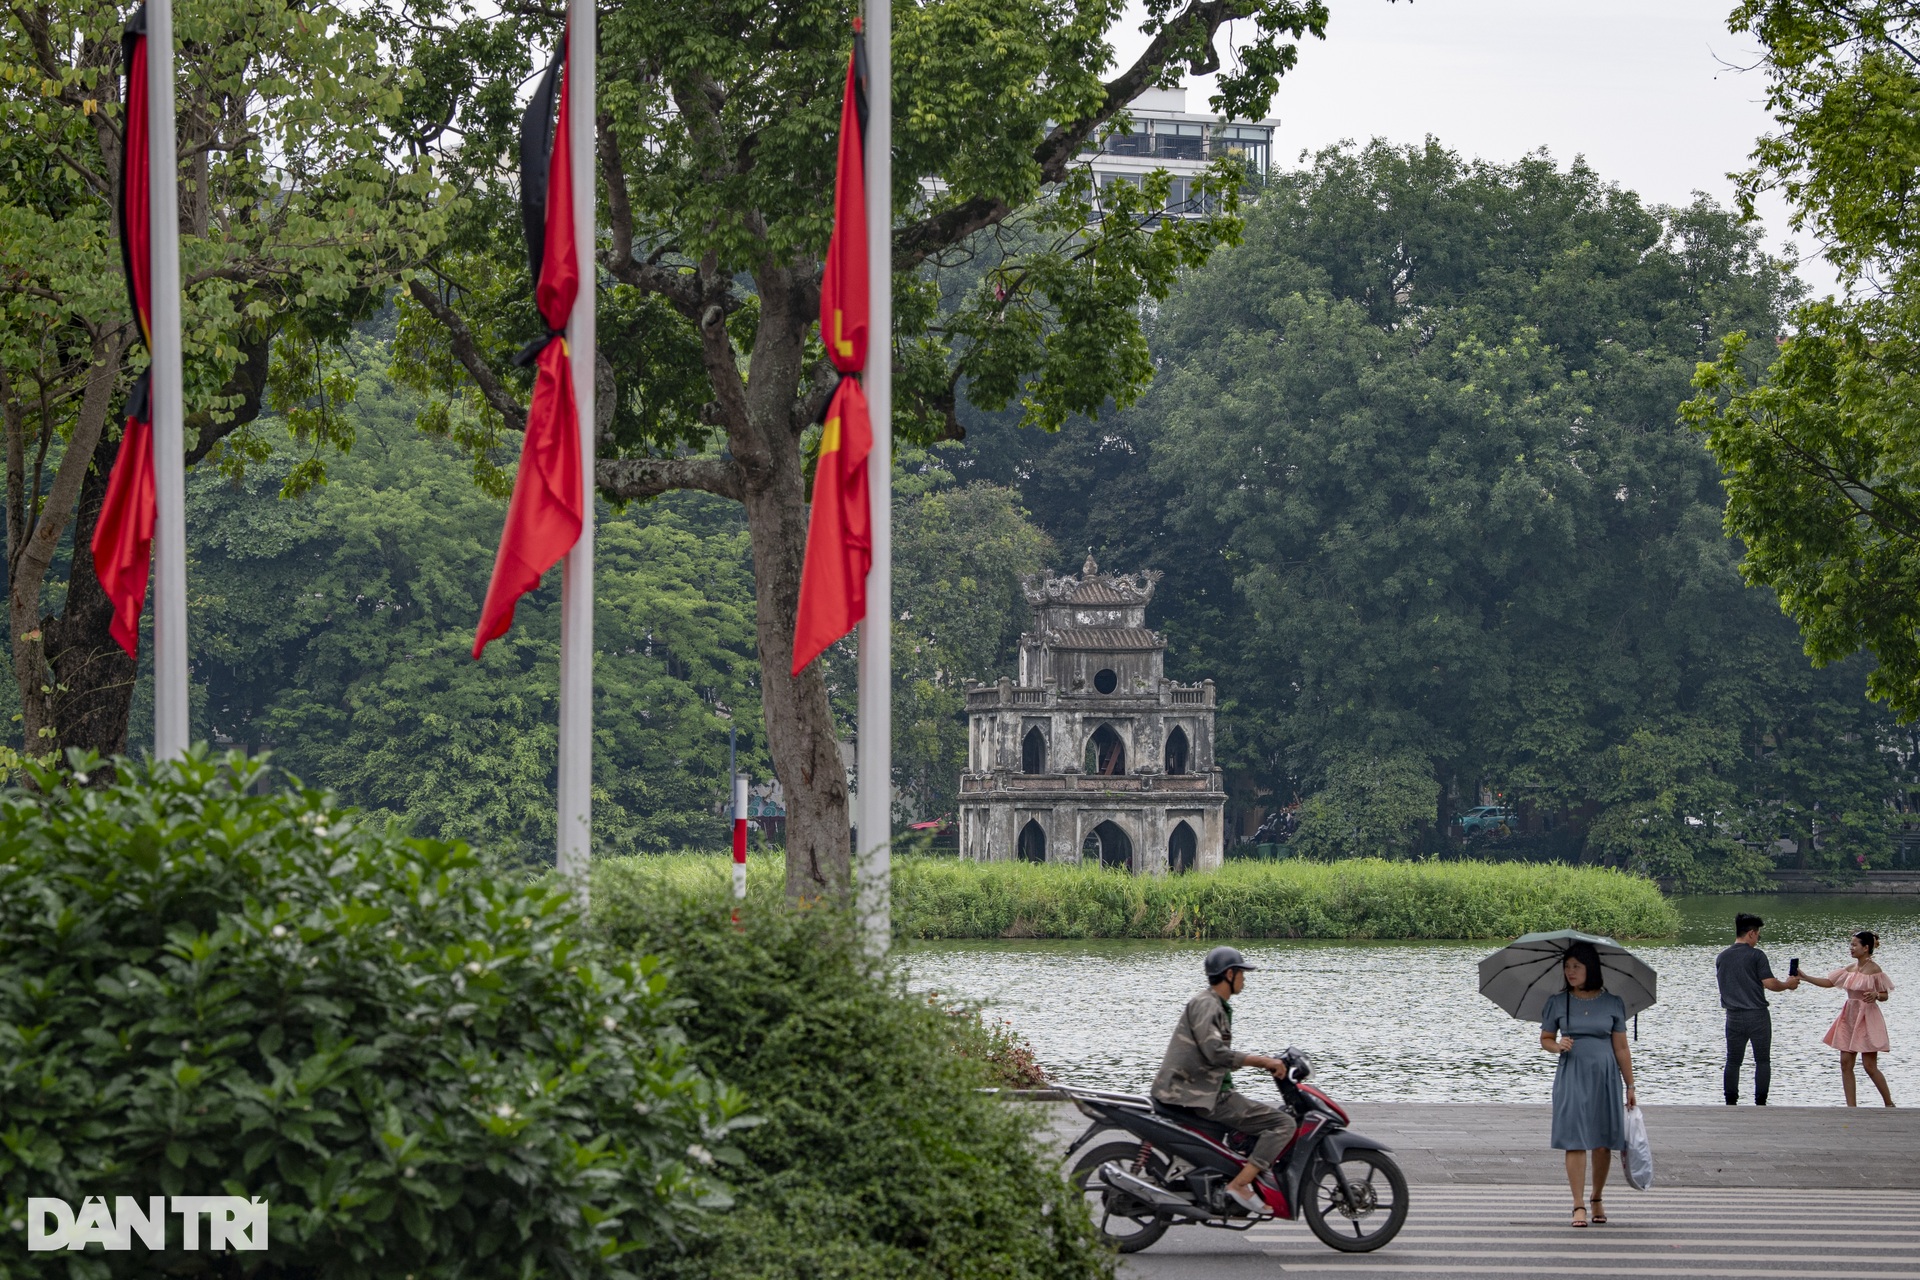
(1122, 1221)
(1371, 1212)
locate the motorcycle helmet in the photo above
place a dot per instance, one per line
(1221, 959)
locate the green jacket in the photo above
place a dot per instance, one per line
(1194, 1072)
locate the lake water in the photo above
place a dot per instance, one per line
(1404, 1021)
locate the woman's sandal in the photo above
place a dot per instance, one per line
(1579, 1215)
(1599, 1212)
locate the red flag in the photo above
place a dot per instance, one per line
(843, 287)
(548, 508)
(123, 535)
(833, 585)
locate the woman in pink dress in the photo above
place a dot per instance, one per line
(1860, 1029)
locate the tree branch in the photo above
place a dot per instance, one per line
(619, 211)
(718, 356)
(813, 402)
(681, 291)
(248, 384)
(1196, 27)
(99, 184)
(467, 351)
(43, 538)
(629, 478)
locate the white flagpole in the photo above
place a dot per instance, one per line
(170, 726)
(874, 818)
(576, 581)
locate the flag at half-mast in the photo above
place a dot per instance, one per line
(833, 585)
(123, 536)
(548, 508)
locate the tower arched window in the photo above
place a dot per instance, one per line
(1183, 848)
(1106, 753)
(1033, 842)
(1177, 751)
(1109, 843)
(1033, 752)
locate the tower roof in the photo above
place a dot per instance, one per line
(1104, 638)
(1090, 587)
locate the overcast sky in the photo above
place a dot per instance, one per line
(1651, 92)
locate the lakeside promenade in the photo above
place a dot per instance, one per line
(1763, 1193)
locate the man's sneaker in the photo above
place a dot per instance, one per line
(1249, 1200)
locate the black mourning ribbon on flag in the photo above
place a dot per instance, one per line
(536, 154)
(136, 29)
(528, 355)
(826, 406)
(137, 397)
(860, 84)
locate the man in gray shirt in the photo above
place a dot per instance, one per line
(1194, 1076)
(1745, 978)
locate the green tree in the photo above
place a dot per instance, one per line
(298, 204)
(1673, 808)
(1413, 470)
(1425, 415)
(959, 555)
(716, 149)
(337, 630)
(1371, 806)
(1821, 456)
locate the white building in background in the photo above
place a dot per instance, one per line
(1165, 135)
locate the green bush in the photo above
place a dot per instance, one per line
(1371, 806)
(1352, 898)
(877, 1158)
(426, 1071)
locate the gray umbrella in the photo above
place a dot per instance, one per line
(1520, 976)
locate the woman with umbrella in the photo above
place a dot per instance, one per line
(1586, 1026)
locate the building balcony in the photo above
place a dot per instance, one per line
(1171, 693)
(1082, 785)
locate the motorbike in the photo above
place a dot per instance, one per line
(1167, 1166)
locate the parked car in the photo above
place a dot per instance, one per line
(1487, 819)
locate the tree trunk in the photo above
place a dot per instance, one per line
(92, 675)
(799, 717)
(76, 682)
(35, 526)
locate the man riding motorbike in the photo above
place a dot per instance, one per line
(1194, 1076)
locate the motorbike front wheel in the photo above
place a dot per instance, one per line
(1122, 1221)
(1358, 1204)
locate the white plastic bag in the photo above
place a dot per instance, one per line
(1637, 1156)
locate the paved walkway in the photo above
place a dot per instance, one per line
(1679, 1234)
(1768, 1193)
(1722, 1146)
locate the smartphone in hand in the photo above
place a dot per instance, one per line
(1793, 967)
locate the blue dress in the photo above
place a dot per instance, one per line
(1589, 1098)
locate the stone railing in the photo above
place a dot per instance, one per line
(976, 783)
(985, 697)
(1191, 695)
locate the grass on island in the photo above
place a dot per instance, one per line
(1357, 898)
